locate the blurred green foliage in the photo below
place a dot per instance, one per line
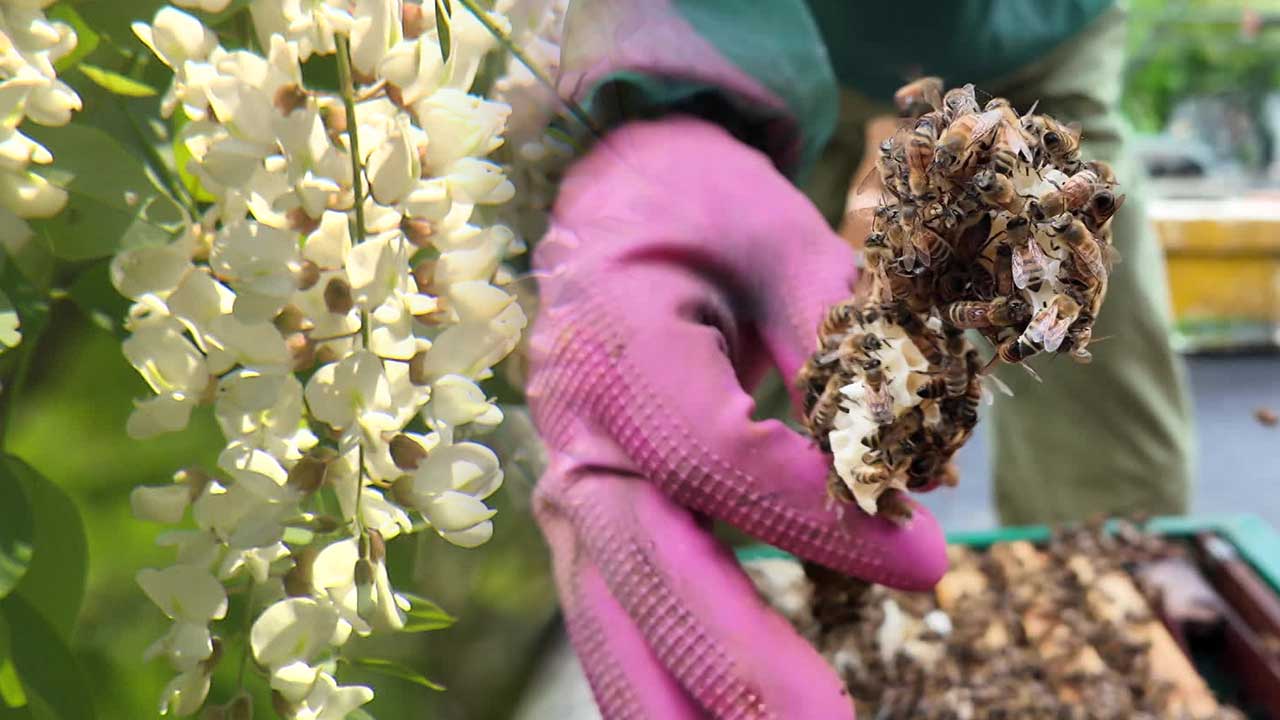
(74, 624)
(1183, 48)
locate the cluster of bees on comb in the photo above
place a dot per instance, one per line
(988, 221)
(1066, 630)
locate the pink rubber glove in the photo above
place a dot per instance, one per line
(679, 265)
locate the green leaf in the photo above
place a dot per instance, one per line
(10, 336)
(49, 673)
(86, 39)
(16, 533)
(11, 693)
(92, 292)
(181, 156)
(55, 579)
(424, 615)
(444, 10)
(115, 82)
(391, 668)
(112, 201)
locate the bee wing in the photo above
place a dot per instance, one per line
(1110, 255)
(1014, 138)
(1055, 333)
(1021, 276)
(987, 124)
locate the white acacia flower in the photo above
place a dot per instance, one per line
(185, 593)
(175, 370)
(319, 333)
(295, 630)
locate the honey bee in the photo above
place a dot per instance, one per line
(1101, 206)
(838, 318)
(1085, 250)
(858, 346)
(1073, 195)
(824, 410)
(931, 248)
(836, 489)
(959, 102)
(879, 401)
(870, 474)
(1078, 339)
(1012, 351)
(920, 153)
(1048, 327)
(1000, 312)
(1003, 275)
(919, 96)
(997, 189)
(1061, 142)
(1106, 175)
(1028, 264)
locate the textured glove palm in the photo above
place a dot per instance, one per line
(679, 266)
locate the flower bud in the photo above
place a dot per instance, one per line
(402, 491)
(307, 474)
(208, 664)
(301, 351)
(373, 547)
(418, 374)
(195, 479)
(413, 20)
(326, 354)
(289, 98)
(241, 708)
(300, 221)
(335, 118)
(366, 594)
(419, 233)
(297, 582)
(337, 296)
(281, 705)
(406, 452)
(291, 319)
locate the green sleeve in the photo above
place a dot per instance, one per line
(877, 46)
(759, 68)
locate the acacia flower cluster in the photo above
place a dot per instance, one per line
(30, 90)
(336, 303)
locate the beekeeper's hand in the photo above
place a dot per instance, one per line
(680, 264)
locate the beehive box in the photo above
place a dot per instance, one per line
(1224, 270)
(1232, 635)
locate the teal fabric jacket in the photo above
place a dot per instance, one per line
(769, 70)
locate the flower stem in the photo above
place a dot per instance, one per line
(248, 626)
(347, 86)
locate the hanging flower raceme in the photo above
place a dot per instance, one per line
(30, 90)
(336, 303)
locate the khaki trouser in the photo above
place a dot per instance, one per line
(1113, 436)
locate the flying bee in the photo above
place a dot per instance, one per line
(1048, 327)
(919, 96)
(997, 189)
(879, 402)
(1085, 250)
(1000, 312)
(1078, 338)
(920, 153)
(1101, 206)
